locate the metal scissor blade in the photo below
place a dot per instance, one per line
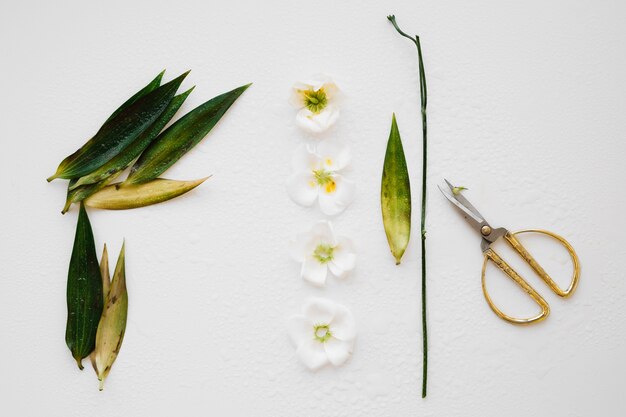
(472, 219)
(464, 201)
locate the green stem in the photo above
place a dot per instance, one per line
(424, 102)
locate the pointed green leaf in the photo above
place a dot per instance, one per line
(180, 137)
(395, 196)
(117, 133)
(84, 292)
(128, 155)
(152, 85)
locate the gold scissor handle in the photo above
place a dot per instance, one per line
(490, 254)
(517, 245)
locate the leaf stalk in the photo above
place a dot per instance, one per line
(424, 103)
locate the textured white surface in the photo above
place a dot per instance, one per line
(526, 108)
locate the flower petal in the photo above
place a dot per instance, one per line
(319, 310)
(344, 259)
(334, 200)
(305, 160)
(304, 85)
(346, 244)
(323, 233)
(331, 89)
(312, 354)
(319, 122)
(320, 81)
(296, 98)
(335, 155)
(338, 351)
(343, 326)
(314, 271)
(346, 190)
(300, 330)
(302, 188)
(337, 271)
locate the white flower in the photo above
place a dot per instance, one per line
(316, 99)
(319, 251)
(315, 175)
(325, 332)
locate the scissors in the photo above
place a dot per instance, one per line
(489, 235)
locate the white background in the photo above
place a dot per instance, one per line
(526, 106)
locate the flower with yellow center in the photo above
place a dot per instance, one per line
(316, 177)
(324, 333)
(316, 100)
(320, 251)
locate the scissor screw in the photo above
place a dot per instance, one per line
(485, 230)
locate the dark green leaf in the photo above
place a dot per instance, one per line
(152, 85)
(118, 132)
(179, 138)
(84, 292)
(128, 155)
(74, 197)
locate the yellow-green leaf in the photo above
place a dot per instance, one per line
(78, 194)
(395, 195)
(133, 196)
(112, 323)
(104, 271)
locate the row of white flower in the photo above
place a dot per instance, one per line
(325, 332)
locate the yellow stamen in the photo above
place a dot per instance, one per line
(331, 186)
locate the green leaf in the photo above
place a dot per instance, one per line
(118, 132)
(84, 292)
(112, 325)
(156, 191)
(152, 85)
(180, 137)
(130, 153)
(395, 195)
(78, 194)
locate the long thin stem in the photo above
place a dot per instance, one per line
(424, 102)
